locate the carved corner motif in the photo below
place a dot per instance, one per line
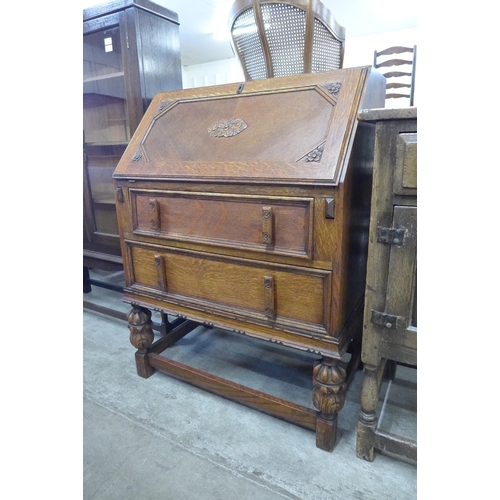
(313, 155)
(164, 105)
(332, 88)
(137, 156)
(227, 128)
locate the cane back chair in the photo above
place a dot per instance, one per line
(282, 38)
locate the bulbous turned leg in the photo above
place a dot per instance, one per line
(329, 386)
(141, 337)
(367, 420)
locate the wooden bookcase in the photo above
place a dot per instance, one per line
(130, 53)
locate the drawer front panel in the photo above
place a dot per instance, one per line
(273, 224)
(286, 297)
(405, 169)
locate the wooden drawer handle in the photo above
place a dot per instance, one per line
(267, 226)
(270, 310)
(154, 210)
(160, 272)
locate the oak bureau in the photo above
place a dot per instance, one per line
(246, 207)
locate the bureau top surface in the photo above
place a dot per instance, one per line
(295, 129)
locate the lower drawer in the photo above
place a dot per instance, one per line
(279, 296)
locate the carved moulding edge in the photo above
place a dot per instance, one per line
(291, 344)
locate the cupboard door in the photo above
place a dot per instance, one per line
(401, 297)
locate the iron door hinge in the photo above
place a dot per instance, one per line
(390, 236)
(382, 319)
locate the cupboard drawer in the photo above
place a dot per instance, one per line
(280, 296)
(263, 224)
(405, 168)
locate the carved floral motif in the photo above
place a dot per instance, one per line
(137, 156)
(163, 105)
(315, 154)
(333, 88)
(227, 128)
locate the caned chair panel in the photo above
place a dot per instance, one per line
(273, 39)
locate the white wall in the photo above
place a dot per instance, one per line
(212, 73)
(358, 52)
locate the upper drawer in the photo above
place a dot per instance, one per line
(263, 224)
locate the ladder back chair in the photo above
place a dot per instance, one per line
(401, 75)
(282, 38)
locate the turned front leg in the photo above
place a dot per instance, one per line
(141, 337)
(367, 421)
(329, 386)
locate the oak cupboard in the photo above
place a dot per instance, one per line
(390, 316)
(246, 207)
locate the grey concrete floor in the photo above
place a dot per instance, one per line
(160, 438)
